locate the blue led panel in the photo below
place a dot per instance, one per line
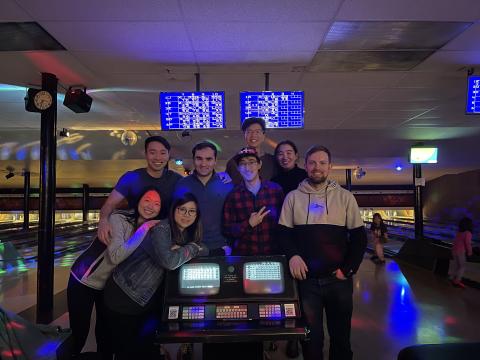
(473, 95)
(279, 109)
(192, 110)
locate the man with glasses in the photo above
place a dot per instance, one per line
(252, 208)
(210, 192)
(254, 132)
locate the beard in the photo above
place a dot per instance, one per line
(318, 180)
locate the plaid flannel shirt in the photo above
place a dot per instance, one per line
(239, 205)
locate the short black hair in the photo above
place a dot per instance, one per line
(253, 120)
(204, 145)
(466, 224)
(159, 139)
(286, 142)
(316, 148)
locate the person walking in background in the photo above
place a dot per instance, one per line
(379, 236)
(462, 246)
(289, 175)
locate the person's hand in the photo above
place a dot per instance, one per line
(257, 217)
(224, 177)
(298, 268)
(104, 231)
(149, 224)
(227, 249)
(175, 247)
(339, 275)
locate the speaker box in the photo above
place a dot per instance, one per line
(78, 101)
(29, 105)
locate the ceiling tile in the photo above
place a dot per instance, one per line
(120, 37)
(444, 10)
(391, 35)
(111, 10)
(236, 36)
(367, 60)
(294, 58)
(11, 11)
(153, 62)
(260, 11)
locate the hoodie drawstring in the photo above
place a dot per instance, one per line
(326, 198)
(308, 209)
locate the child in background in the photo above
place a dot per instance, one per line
(462, 246)
(379, 234)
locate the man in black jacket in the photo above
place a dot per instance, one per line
(323, 235)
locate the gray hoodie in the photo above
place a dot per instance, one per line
(324, 227)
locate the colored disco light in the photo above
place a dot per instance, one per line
(14, 353)
(49, 348)
(398, 168)
(14, 325)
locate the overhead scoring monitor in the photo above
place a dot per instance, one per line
(473, 95)
(279, 109)
(192, 110)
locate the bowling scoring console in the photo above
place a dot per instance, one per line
(231, 299)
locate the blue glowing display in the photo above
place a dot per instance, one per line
(280, 109)
(473, 95)
(192, 110)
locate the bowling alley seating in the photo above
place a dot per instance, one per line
(458, 351)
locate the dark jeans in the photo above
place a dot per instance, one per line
(133, 335)
(81, 299)
(336, 299)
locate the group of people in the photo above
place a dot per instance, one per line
(266, 205)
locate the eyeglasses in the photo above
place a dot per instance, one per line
(184, 211)
(248, 163)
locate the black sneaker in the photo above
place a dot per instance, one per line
(293, 349)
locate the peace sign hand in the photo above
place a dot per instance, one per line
(257, 217)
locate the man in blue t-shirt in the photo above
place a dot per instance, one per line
(133, 183)
(210, 191)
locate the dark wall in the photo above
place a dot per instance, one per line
(450, 197)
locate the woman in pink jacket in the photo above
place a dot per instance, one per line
(462, 246)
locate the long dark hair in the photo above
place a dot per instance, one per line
(132, 218)
(191, 234)
(381, 226)
(466, 224)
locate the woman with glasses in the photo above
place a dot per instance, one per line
(132, 293)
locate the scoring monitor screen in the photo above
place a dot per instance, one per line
(281, 109)
(263, 277)
(473, 95)
(192, 110)
(199, 279)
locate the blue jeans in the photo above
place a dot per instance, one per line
(336, 298)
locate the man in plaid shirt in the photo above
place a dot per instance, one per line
(252, 209)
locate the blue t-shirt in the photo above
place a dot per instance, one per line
(133, 183)
(210, 198)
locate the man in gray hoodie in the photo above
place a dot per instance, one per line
(323, 236)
